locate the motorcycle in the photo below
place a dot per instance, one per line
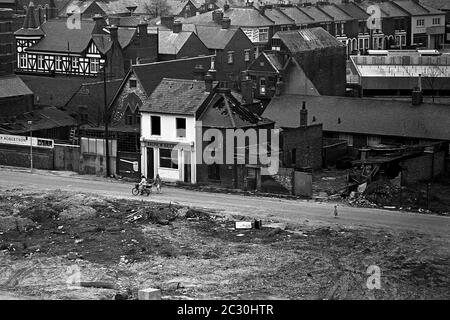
(147, 189)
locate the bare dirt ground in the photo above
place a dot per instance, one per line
(120, 246)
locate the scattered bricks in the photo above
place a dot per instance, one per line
(149, 294)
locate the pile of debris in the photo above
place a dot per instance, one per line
(164, 214)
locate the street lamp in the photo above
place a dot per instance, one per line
(31, 146)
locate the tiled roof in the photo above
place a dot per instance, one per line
(151, 74)
(76, 6)
(43, 119)
(317, 14)
(59, 38)
(353, 10)
(415, 9)
(120, 6)
(91, 96)
(31, 23)
(437, 4)
(336, 13)
(226, 111)
(392, 10)
(214, 37)
(297, 15)
(128, 21)
(365, 116)
(59, 4)
(54, 91)
(307, 39)
(125, 36)
(240, 16)
(176, 96)
(170, 42)
(278, 17)
(11, 86)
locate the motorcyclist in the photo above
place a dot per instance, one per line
(142, 184)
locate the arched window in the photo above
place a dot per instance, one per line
(128, 116)
(137, 115)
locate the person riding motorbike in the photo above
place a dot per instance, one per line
(142, 184)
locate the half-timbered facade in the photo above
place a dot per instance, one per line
(55, 47)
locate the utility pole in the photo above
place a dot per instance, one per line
(31, 146)
(106, 120)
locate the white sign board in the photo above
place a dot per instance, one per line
(25, 141)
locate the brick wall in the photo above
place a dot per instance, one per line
(19, 156)
(282, 182)
(238, 44)
(15, 106)
(142, 47)
(326, 68)
(193, 47)
(419, 168)
(307, 142)
(66, 157)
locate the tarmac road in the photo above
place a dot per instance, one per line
(296, 211)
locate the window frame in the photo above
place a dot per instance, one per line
(230, 57)
(152, 118)
(163, 164)
(178, 129)
(58, 61)
(135, 83)
(94, 62)
(247, 55)
(75, 63)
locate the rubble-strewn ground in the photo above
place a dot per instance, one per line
(330, 184)
(123, 245)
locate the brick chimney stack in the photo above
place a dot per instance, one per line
(217, 16)
(303, 115)
(199, 72)
(226, 22)
(113, 33)
(177, 26)
(208, 82)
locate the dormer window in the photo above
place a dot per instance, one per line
(133, 83)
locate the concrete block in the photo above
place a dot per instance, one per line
(149, 294)
(243, 225)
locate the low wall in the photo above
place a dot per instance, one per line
(420, 168)
(282, 182)
(66, 157)
(19, 156)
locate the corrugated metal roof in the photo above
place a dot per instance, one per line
(307, 39)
